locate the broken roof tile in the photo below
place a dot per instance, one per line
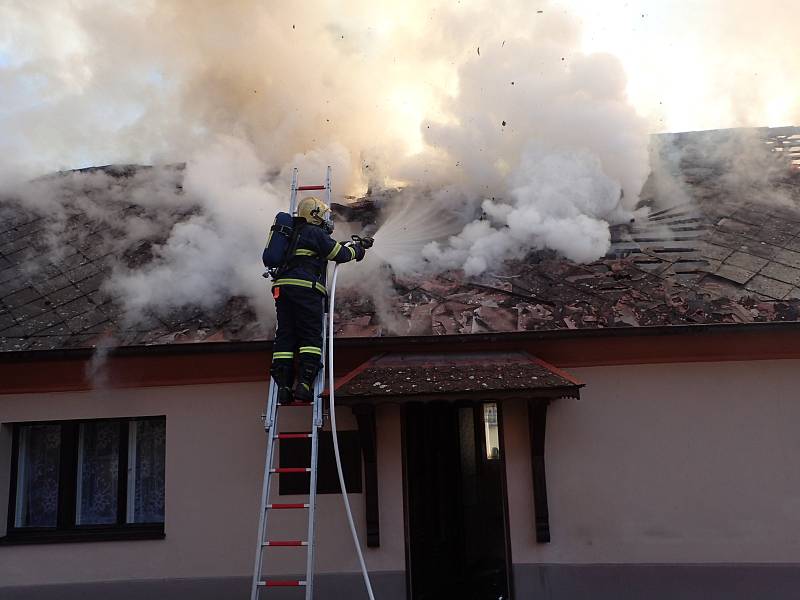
(497, 319)
(735, 274)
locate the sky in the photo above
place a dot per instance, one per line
(689, 61)
(81, 83)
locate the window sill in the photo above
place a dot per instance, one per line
(95, 535)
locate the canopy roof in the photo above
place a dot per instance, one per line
(457, 376)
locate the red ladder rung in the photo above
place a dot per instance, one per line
(285, 505)
(292, 436)
(291, 470)
(308, 188)
(282, 583)
(296, 404)
(285, 543)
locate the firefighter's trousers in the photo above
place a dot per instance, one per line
(299, 311)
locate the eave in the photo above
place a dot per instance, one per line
(223, 362)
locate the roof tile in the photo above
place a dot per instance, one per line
(21, 296)
(86, 320)
(771, 236)
(6, 320)
(48, 285)
(65, 295)
(34, 323)
(75, 307)
(47, 342)
(793, 244)
(735, 274)
(13, 344)
(84, 271)
(768, 287)
(782, 273)
(745, 261)
(715, 252)
(787, 257)
(687, 264)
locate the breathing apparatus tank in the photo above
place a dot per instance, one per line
(280, 236)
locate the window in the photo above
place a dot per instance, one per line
(297, 453)
(491, 431)
(98, 479)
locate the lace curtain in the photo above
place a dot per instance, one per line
(146, 475)
(98, 473)
(37, 478)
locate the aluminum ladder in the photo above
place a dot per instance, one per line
(273, 436)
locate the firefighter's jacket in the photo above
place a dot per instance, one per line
(307, 267)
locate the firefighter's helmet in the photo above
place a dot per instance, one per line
(314, 211)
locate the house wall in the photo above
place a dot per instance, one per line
(214, 462)
(664, 481)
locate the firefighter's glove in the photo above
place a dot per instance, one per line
(358, 249)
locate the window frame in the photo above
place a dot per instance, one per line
(66, 529)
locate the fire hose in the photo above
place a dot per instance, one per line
(331, 391)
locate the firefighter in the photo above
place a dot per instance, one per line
(300, 294)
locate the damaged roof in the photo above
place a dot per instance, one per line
(724, 254)
(721, 253)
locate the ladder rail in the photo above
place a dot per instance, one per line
(270, 425)
(319, 386)
(293, 198)
(312, 505)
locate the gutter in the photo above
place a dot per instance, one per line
(384, 344)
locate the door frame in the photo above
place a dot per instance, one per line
(479, 425)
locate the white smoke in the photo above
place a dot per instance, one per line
(210, 256)
(558, 199)
(546, 137)
(480, 107)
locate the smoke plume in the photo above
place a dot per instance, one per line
(505, 132)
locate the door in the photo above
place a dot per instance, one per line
(456, 504)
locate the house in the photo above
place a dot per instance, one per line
(625, 428)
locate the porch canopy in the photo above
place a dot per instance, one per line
(456, 376)
(479, 376)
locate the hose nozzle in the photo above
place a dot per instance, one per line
(366, 242)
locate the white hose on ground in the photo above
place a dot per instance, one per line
(331, 391)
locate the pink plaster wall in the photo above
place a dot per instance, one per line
(680, 463)
(215, 452)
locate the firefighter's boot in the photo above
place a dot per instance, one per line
(283, 374)
(304, 389)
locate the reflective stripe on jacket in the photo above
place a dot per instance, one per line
(308, 265)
